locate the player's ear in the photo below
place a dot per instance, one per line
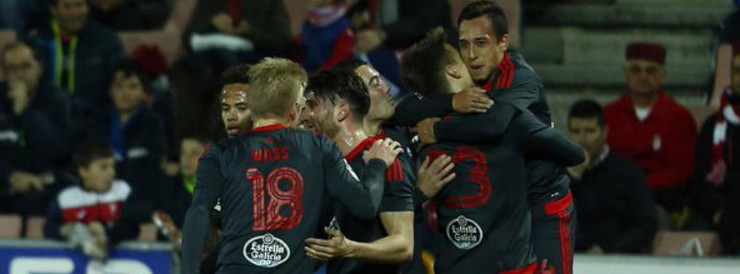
(341, 112)
(503, 44)
(294, 112)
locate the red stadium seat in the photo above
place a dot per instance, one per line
(10, 226)
(35, 228)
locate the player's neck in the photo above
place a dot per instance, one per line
(372, 127)
(457, 85)
(269, 122)
(349, 136)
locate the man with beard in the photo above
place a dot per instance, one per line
(339, 103)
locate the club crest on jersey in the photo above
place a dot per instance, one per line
(464, 233)
(266, 251)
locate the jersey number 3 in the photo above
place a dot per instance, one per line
(283, 208)
(477, 175)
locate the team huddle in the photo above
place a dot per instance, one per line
(329, 168)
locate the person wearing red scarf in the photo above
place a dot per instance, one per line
(714, 189)
(649, 127)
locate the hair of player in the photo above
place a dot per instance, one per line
(275, 85)
(238, 74)
(423, 64)
(490, 9)
(334, 85)
(90, 150)
(14, 46)
(130, 68)
(587, 109)
(350, 64)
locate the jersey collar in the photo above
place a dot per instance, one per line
(269, 128)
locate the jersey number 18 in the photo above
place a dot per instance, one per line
(267, 214)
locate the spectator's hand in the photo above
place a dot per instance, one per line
(109, 5)
(471, 100)
(337, 246)
(171, 169)
(434, 176)
(425, 129)
(223, 23)
(242, 28)
(386, 150)
(21, 182)
(369, 39)
(20, 96)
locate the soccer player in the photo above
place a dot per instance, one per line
(378, 122)
(235, 111)
(273, 181)
(339, 102)
(506, 76)
(483, 212)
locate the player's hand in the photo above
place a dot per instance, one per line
(386, 150)
(337, 246)
(434, 176)
(425, 129)
(471, 100)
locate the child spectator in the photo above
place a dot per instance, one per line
(91, 213)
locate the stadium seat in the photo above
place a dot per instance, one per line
(147, 233)
(686, 243)
(35, 228)
(722, 72)
(11, 226)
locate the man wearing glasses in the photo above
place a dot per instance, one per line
(650, 128)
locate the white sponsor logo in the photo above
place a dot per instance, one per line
(656, 143)
(266, 251)
(464, 233)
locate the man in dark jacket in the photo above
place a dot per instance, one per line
(77, 53)
(32, 134)
(615, 211)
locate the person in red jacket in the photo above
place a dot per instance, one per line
(647, 126)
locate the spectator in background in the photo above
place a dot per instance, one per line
(716, 185)
(615, 212)
(131, 14)
(32, 134)
(136, 135)
(326, 37)
(190, 150)
(649, 127)
(22, 15)
(94, 212)
(78, 54)
(255, 27)
(398, 24)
